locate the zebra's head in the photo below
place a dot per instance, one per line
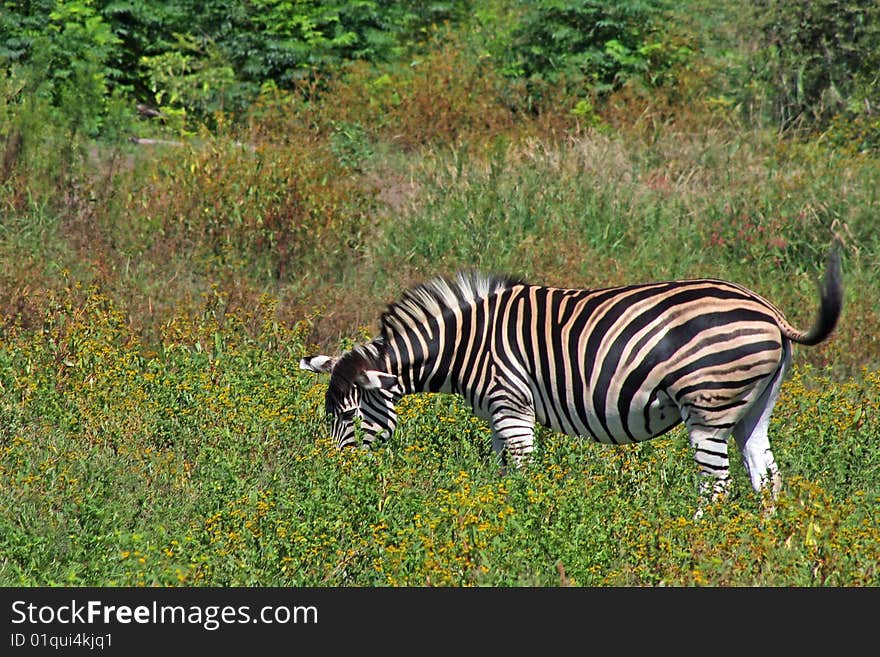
(360, 399)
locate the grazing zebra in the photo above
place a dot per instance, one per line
(618, 365)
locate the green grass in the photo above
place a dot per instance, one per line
(208, 464)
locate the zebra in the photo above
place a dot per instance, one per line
(618, 365)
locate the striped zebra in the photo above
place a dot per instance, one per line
(617, 365)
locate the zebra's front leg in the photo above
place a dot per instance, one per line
(513, 431)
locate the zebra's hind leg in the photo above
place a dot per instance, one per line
(751, 434)
(710, 453)
(513, 443)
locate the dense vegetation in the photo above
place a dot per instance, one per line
(292, 167)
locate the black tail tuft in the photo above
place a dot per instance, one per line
(831, 292)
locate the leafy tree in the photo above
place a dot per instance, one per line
(602, 42)
(818, 59)
(65, 49)
(205, 55)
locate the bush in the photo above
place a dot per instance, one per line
(281, 209)
(817, 59)
(448, 96)
(68, 57)
(201, 57)
(595, 42)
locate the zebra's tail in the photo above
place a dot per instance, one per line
(831, 303)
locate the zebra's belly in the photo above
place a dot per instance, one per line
(645, 419)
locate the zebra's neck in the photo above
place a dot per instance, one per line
(413, 358)
(445, 354)
(434, 332)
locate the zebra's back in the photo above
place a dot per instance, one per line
(629, 363)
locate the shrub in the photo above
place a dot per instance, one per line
(593, 42)
(198, 57)
(817, 59)
(448, 96)
(68, 57)
(276, 208)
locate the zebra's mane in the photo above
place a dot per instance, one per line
(430, 299)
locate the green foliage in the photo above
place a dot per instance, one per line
(281, 41)
(194, 79)
(596, 43)
(350, 144)
(281, 210)
(68, 58)
(818, 59)
(43, 146)
(202, 57)
(57, 94)
(448, 96)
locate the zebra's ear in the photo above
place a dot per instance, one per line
(374, 379)
(320, 364)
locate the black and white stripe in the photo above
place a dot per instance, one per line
(618, 365)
